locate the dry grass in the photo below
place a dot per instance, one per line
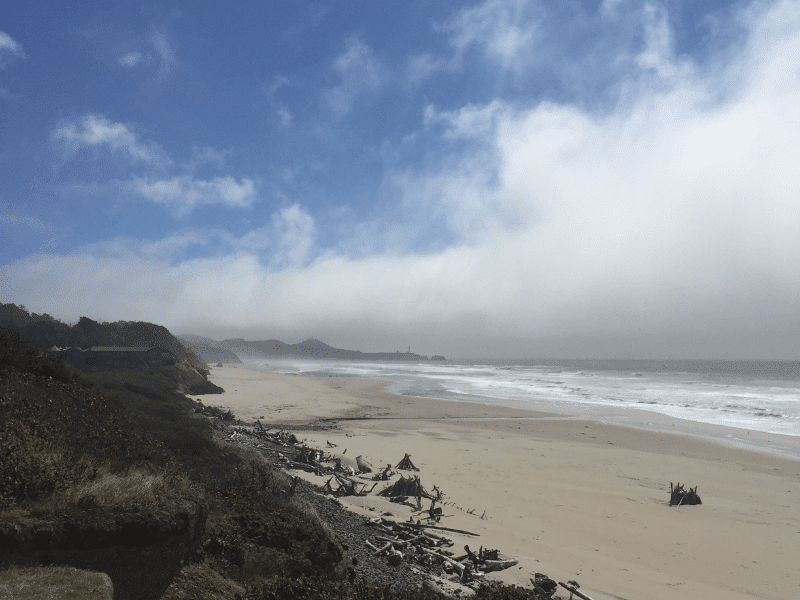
(137, 485)
(54, 583)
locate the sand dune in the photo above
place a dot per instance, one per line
(571, 498)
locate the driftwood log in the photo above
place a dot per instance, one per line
(486, 564)
(572, 589)
(363, 465)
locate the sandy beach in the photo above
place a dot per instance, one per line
(571, 498)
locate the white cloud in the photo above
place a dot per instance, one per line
(358, 71)
(471, 121)
(504, 30)
(609, 7)
(20, 228)
(277, 83)
(207, 155)
(167, 250)
(95, 130)
(182, 194)
(161, 43)
(131, 59)
(295, 233)
(10, 50)
(658, 54)
(287, 240)
(283, 117)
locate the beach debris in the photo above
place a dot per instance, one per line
(488, 561)
(426, 526)
(408, 541)
(572, 588)
(346, 487)
(434, 512)
(543, 585)
(279, 438)
(384, 474)
(331, 444)
(406, 464)
(680, 497)
(363, 465)
(405, 487)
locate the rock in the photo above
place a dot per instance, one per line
(54, 583)
(395, 560)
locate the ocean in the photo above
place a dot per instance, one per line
(754, 404)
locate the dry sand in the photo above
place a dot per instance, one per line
(571, 498)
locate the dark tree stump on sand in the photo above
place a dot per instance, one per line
(680, 497)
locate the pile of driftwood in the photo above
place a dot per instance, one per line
(406, 464)
(255, 439)
(405, 487)
(281, 438)
(680, 497)
(384, 474)
(415, 542)
(346, 487)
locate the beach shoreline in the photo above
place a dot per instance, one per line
(571, 497)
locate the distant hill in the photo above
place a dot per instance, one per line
(209, 349)
(310, 348)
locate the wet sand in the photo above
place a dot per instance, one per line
(572, 498)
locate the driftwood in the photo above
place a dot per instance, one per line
(406, 486)
(281, 438)
(424, 526)
(363, 465)
(486, 564)
(384, 474)
(288, 464)
(419, 545)
(406, 464)
(346, 487)
(678, 496)
(573, 589)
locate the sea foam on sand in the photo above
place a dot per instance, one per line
(572, 498)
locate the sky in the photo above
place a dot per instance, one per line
(494, 178)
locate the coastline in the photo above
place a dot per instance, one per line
(567, 496)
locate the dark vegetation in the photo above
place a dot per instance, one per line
(117, 472)
(45, 331)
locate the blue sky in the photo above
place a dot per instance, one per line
(611, 178)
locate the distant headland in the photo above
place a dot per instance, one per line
(310, 348)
